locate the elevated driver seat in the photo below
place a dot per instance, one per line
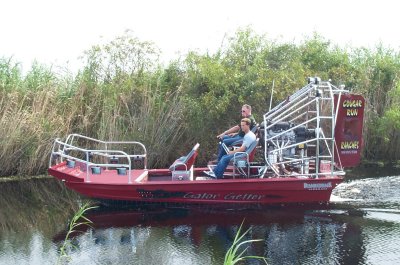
(242, 160)
(182, 168)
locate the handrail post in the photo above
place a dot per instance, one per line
(129, 170)
(87, 167)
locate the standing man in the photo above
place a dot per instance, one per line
(235, 133)
(248, 139)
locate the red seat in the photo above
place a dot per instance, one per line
(245, 158)
(241, 162)
(185, 162)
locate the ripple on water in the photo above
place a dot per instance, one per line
(382, 244)
(379, 201)
(385, 190)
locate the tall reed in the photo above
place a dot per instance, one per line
(236, 253)
(124, 93)
(32, 117)
(27, 126)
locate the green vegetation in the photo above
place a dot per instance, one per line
(77, 221)
(124, 93)
(235, 253)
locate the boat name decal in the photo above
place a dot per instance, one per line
(229, 196)
(204, 195)
(350, 145)
(352, 106)
(243, 197)
(159, 193)
(317, 186)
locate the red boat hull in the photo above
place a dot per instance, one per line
(243, 191)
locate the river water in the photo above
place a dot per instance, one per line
(360, 226)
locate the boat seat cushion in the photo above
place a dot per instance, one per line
(249, 153)
(185, 162)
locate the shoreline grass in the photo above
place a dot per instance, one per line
(124, 93)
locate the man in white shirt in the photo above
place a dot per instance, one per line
(248, 139)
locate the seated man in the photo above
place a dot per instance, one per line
(248, 139)
(236, 132)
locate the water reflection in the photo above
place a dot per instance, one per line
(162, 236)
(41, 204)
(30, 212)
(361, 227)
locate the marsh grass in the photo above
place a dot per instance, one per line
(124, 93)
(32, 116)
(77, 220)
(237, 252)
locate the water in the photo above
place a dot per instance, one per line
(361, 226)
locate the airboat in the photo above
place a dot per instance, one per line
(303, 145)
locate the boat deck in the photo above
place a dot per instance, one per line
(107, 176)
(111, 177)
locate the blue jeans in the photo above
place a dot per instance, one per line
(222, 164)
(228, 141)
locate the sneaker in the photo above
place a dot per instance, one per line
(211, 174)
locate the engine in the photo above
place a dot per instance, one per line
(285, 136)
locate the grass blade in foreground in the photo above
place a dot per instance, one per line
(75, 222)
(233, 256)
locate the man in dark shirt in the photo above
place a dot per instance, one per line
(235, 133)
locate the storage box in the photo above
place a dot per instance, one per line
(181, 175)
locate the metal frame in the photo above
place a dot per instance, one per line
(311, 107)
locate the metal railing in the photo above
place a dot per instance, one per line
(69, 150)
